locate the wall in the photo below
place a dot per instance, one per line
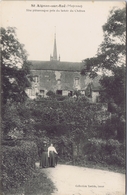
(60, 82)
(56, 80)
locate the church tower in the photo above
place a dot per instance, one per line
(55, 50)
(54, 57)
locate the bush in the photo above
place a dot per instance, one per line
(61, 98)
(17, 164)
(110, 152)
(50, 94)
(39, 183)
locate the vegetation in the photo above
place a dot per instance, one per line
(58, 121)
(84, 133)
(39, 184)
(18, 161)
(14, 67)
(110, 62)
(110, 59)
(65, 127)
(18, 155)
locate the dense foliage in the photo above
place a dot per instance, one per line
(74, 126)
(82, 132)
(110, 62)
(65, 123)
(14, 67)
(18, 161)
(110, 58)
(110, 152)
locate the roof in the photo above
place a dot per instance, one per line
(56, 65)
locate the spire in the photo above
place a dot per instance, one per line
(54, 57)
(55, 49)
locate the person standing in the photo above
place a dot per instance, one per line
(44, 156)
(51, 154)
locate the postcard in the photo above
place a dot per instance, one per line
(65, 44)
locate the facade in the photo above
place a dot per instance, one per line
(62, 78)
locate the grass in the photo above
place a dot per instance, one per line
(94, 165)
(37, 184)
(40, 184)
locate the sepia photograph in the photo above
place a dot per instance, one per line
(63, 97)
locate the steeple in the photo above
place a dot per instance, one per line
(54, 57)
(55, 49)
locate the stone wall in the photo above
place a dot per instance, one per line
(57, 80)
(60, 82)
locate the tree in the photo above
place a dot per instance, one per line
(14, 67)
(114, 86)
(110, 58)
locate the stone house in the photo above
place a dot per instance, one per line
(61, 77)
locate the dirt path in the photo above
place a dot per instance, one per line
(73, 180)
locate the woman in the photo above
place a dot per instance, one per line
(51, 154)
(44, 156)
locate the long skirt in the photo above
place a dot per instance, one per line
(51, 159)
(44, 160)
(56, 158)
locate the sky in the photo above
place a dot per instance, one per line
(77, 24)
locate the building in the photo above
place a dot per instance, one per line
(62, 78)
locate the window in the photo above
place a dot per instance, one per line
(42, 92)
(35, 78)
(76, 81)
(59, 92)
(36, 90)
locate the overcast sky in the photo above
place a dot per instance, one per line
(78, 33)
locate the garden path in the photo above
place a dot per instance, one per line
(74, 180)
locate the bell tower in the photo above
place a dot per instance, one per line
(54, 57)
(55, 49)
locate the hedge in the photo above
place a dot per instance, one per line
(110, 152)
(17, 163)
